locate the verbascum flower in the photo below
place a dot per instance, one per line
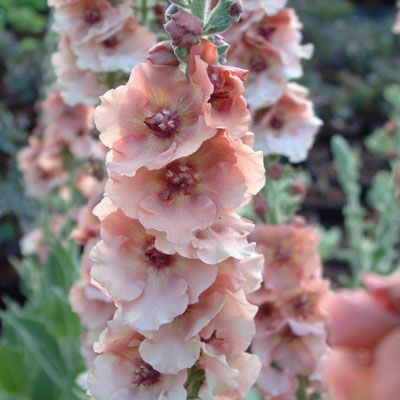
(167, 122)
(270, 7)
(290, 324)
(268, 42)
(364, 333)
(76, 86)
(270, 47)
(174, 254)
(289, 126)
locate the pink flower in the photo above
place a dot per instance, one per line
(85, 19)
(227, 237)
(70, 127)
(68, 120)
(365, 336)
(290, 254)
(33, 243)
(223, 89)
(270, 7)
(88, 226)
(141, 278)
(192, 192)
(42, 168)
(228, 379)
(289, 127)
(93, 307)
(301, 307)
(120, 372)
(270, 47)
(176, 346)
(76, 86)
(148, 127)
(163, 54)
(118, 49)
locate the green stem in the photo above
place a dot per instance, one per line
(144, 12)
(301, 391)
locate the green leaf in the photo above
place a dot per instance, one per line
(43, 388)
(253, 395)
(14, 374)
(220, 18)
(38, 345)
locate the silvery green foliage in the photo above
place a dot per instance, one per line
(39, 347)
(372, 235)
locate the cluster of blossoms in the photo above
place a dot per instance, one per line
(365, 340)
(97, 37)
(291, 333)
(98, 40)
(174, 255)
(267, 42)
(64, 133)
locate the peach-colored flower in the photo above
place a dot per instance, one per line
(88, 226)
(176, 346)
(223, 89)
(140, 278)
(289, 127)
(120, 372)
(228, 379)
(118, 49)
(270, 47)
(69, 120)
(93, 307)
(270, 7)
(290, 323)
(42, 168)
(33, 242)
(365, 336)
(76, 86)
(301, 307)
(154, 119)
(290, 254)
(163, 54)
(227, 237)
(70, 127)
(85, 19)
(192, 192)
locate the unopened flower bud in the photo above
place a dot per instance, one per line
(298, 188)
(275, 172)
(171, 10)
(184, 29)
(296, 220)
(260, 205)
(236, 9)
(162, 54)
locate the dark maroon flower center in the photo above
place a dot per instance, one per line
(164, 123)
(111, 42)
(92, 15)
(303, 305)
(277, 123)
(266, 32)
(156, 258)
(258, 64)
(179, 178)
(282, 255)
(145, 375)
